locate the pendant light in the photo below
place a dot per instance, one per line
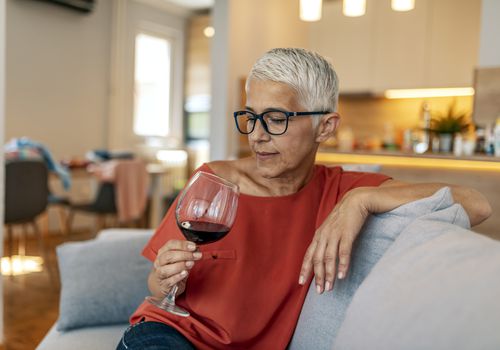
(310, 10)
(402, 5)
(354, 8)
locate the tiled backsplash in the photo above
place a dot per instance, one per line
(366, 116)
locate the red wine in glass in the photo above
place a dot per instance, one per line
(205, 213)
(203, 232)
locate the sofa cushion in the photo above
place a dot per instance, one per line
(89, 338)
(437, 287)
(322, 315)
(123, 233)
(102, 280)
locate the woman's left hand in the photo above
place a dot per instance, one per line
(333, 242)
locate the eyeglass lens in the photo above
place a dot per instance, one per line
(276, 122)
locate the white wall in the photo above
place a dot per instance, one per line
(251, 27)
(489, 47)
(59, 71)
(57, 75)
(2, 118)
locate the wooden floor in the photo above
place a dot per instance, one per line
(31, 302)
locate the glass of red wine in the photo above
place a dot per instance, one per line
(205, 213)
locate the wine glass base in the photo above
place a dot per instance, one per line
(164, 305)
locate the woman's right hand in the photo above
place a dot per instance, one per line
(172, 265)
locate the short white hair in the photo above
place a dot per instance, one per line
(307, 72)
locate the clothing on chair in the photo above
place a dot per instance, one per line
(131, 182)
(24, 148)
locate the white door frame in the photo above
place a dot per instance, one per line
(2, 136)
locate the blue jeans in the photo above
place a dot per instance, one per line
(153, 336)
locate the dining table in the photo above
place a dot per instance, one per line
(85, 184)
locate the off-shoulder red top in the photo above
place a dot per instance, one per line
(244, 293)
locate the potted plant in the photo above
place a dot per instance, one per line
(447, 124)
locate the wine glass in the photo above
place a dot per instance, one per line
(205, 213)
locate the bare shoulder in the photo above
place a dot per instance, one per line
(236, 171)
(393, 183)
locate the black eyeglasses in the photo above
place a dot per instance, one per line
(274, 122)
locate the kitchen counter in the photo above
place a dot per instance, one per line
(397, 158)
(480, 172)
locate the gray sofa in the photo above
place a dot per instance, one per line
(419, 279)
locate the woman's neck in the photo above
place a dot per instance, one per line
(288, 183)
(244, 173)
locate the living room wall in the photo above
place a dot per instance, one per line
(57, 75)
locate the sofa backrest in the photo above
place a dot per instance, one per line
(323, 315)
(437, 287)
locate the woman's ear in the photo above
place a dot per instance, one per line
(327, 126)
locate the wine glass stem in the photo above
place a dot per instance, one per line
(170, 297)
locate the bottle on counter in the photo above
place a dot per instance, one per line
(480, 139)
(496, 138)
(435, 143)
(422, 139)
(489, 140)
(458, 145)
(388, 139)
(407, 145)
(469, 144)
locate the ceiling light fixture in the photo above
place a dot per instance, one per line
(354, 8)
(402, 5)
(310, 10)
(209, 31)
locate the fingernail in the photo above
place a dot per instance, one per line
(184, 273)
(328, 286)
(318, 289)
(189, 263)
(301, 280)
(191, 246)
(197, 255)
(341, 275)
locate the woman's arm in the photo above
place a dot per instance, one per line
(392, 194)
(335, 237)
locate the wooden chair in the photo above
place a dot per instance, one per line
(104, 204)
(122, 193)
(26, 197)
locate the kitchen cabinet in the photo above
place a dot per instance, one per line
(399, 53)
(434, 45)
(453, 43)
(347, 42)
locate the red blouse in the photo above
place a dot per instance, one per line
(244, 293)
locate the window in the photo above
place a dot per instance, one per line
(197, 109)
(152, 85)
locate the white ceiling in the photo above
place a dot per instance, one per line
(192, 4)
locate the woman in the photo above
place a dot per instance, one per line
(294, 219)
